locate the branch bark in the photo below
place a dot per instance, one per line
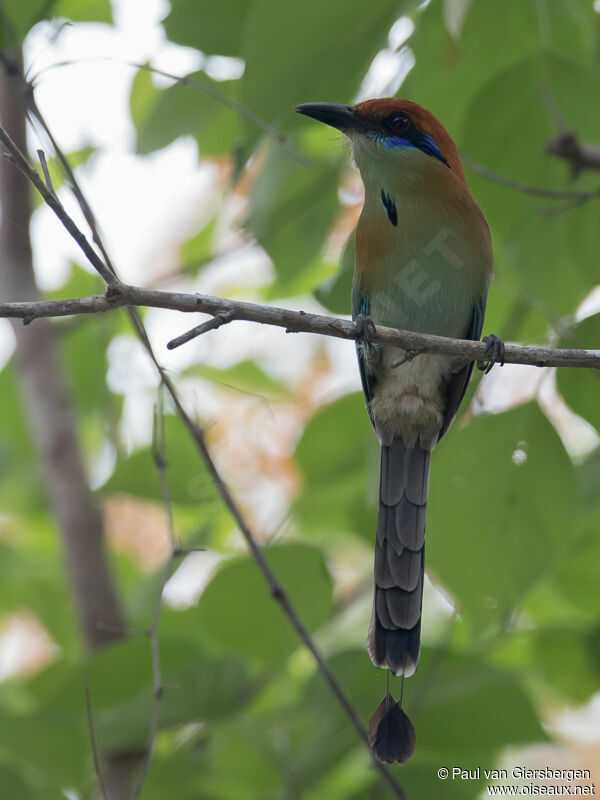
(224, 311)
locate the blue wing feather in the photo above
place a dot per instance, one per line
(361, 305)
(457, 383)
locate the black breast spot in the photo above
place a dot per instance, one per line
(390, 207)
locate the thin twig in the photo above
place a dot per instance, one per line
(220, 318)
(157, 684)
(19, 160)
(159, 454)
(122, 630)
(552, 108)
(525, 188)
(561, 208)
(94, 746)
(123, 295)
(45, 170)
(160, 461)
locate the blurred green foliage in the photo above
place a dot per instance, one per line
(513, 522)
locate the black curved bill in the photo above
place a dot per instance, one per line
(335, 114)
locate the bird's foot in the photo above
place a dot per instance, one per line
(366, 327)
(494, 353)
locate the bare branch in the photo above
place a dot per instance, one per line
(220, 318)
(46, 171)
(94, 746)
(294, 322)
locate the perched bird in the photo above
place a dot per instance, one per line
(423, 263)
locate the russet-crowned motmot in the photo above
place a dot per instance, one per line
(423, 263)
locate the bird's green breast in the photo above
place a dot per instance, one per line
(427, 271)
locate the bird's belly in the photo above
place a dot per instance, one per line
(409, 399)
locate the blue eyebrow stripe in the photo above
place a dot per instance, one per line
(421, 141)
(396, 141)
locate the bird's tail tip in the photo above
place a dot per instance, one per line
(391, 733)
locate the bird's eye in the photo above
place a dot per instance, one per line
(399, 123)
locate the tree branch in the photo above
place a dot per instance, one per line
(223, 311)
(579, 155)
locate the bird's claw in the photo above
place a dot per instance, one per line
(365, 327)
(369, 351)
(494, 353)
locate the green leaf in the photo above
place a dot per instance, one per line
(118, 671)
(32, 576)
(238, 596)
(84, 349)
(245, 376)
(303, 65)
(502, 511)
(84, 10)
(291, 211)
(210, 27)
(577, 576)
(15, 784)
(245, 764)
(189, 481)
(550, 257)
(198, 251)
(493, 103)
(335, 293)
(197, 686)
(18, 17)
(565, 659)
(464, 712)
(328, 446)
(581, 387)
(336, 454)
(449, 73)
(163, 115)
(80, 283)
(179, 769)
(20, 484)
(52, 746)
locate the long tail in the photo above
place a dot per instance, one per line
(395, 632)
